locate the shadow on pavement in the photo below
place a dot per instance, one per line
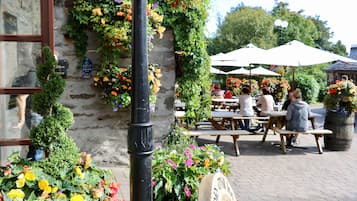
(250, 147)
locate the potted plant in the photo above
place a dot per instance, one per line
(341, 104)
(278, 88)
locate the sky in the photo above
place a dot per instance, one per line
(339, 14)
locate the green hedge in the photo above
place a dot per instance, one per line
(309, 87)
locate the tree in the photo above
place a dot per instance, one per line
(244, 25)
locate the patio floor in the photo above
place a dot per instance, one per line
(263, 173)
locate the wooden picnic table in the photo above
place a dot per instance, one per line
(220, 101)
(277, 120)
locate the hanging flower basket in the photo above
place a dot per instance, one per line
(116, 83)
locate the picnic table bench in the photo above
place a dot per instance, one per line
(15, 142)
(318, 133)
(234, 133)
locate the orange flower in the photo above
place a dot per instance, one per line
(129, 17)
(120, 14)
(129, 89)
(130, 11)
(128, 80)
(114, 93)
(124, 87)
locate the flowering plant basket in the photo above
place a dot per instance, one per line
(22, 179)
(116, 83)
(341, 96)
(178, 170)
(278, 88)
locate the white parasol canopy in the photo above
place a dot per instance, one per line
(296, 53)
(228, 63)
(248, 54)
(216, 71)
(262, 71)
(240, 71)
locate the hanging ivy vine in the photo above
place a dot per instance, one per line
(187, 18)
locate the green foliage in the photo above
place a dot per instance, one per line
(111, 21)
(51, 83)
(242, 26)
(46, 133)
(245, 25)
(308, 86)
(179, 169)
(177, 136)
(63, 115)
(56, 164)
(25, 180)
(188, 19)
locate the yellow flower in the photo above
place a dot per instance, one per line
(150, 77)
(30, 176)
(47, 189)
(161, 30)
(87, 161)
(102, 21)
(78, 172)
(54, 189)
(97, 11)
(206, 163)
(220, 160)
(20, 182)
(16, 194)
(105, 79)
(77, 198)
(96, 79)
(42, 184)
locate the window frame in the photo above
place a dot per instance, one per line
(46, 39)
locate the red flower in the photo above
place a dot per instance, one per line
(333, 91)
(114, 188)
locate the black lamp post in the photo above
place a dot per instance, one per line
(281, 25)
(140, 135)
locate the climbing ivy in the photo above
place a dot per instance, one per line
(187, 18)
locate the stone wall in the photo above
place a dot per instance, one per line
(97, 128)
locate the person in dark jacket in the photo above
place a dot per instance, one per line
(288, 101)
(297, 114)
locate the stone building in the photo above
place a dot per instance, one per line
(336, 70)
(97, 128)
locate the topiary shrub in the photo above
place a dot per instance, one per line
(50, 134)
(308, 86)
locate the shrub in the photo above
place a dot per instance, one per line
(47, 132)
(308, 86)
(63, 115)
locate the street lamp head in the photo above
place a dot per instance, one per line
(281, 23)
(284, 24)
(278, 22)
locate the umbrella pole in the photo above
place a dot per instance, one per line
(293, 81)
(250, 78)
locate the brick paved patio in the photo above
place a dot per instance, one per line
(263, 173)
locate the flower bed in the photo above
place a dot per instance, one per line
(179, 166)
(22, 179)
(341, 96)
(236, 85)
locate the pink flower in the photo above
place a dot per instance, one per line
(189, 162)
(188, 153)
(192, 146)
(187, 191)
(169, 161)
(153, 183)
(174, 166)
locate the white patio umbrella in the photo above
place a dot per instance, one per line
(296, 53)
(216, 71)
(248, 54)
(218, 57)
(228, 63)
(240, 71)
(262, 71)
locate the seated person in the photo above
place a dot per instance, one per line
(266, 103)
(288, 101)
(218, 92)
(228, 94)
(246, 107)
(297, 115)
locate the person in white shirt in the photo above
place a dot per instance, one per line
(266, 103)
(246, 107)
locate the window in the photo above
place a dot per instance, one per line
(25, 27)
